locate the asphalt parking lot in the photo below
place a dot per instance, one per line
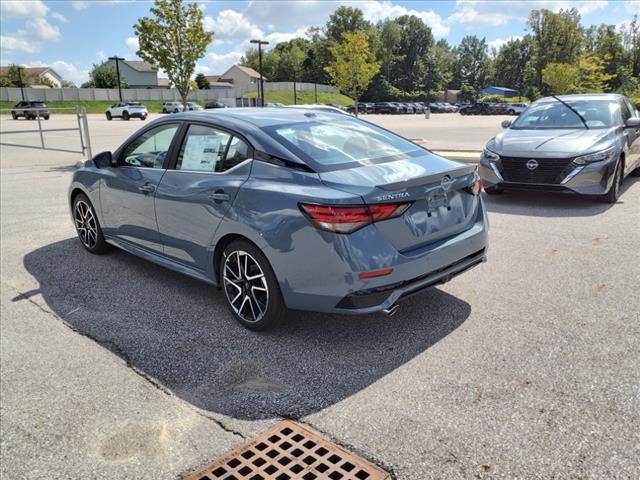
(527, 366)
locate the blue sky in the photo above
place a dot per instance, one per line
(71, 36)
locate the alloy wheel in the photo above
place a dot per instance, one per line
(245, 286)
(86, 224)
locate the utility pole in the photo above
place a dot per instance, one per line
(261, 88)
(315, 88)
(20, 80)
(117, 59)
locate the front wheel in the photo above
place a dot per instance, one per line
(511, 112)
(14, 115)
(87, 225)
(613, 194)
(125, 115)
(143, 118)
(108, 115)
(250, 286)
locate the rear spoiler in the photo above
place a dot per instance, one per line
(436, 177)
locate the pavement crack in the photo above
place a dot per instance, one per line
(121, 353)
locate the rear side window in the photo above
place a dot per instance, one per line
(207, 149)
(330, 143)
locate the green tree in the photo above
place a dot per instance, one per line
(467, 93)
(592, 76)
(440, 62)
(201, 82)
(5, 81)
(18, 76)
(630, 33)
(556, 38)
(409, 72)
(292, 60)
(353, 65)
(390, 34)
(561, 78)
(343, 20)
(103, 75)
(173, 40)
(511, 64)
(472, 62)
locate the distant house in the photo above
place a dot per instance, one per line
(240, 76)
(137, 74)
(46, 73)
(164, 83)
(502, 91)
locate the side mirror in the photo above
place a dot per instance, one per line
(506, 123)
(633, 122)
(103, 160)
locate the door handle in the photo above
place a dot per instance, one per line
(220, 196)
(147, 188)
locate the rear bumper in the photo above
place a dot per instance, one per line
(138, 114)
(591, 179)
(330, 282)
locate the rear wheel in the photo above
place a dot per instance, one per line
(14, 115)
(125, 115)
(87, 225)
(108, 114)
(511, 112)
(250, 286)
(613, 194)
(143, 118)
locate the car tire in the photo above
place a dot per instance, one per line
(636, 172)
(46, 117)
(143, 118)
(511, 112)
(613, 194)
(251, 291)
(125, 115)
(108, 115)
(14, 115)
(493, 190)
(175, 110)
(87, 226)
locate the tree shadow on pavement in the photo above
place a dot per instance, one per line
(551, 204)
(179, 331)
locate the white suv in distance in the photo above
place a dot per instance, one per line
(127, 110)
(193, 106)
(516, 108)
(172, 107)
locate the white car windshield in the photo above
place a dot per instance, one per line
(556, 115)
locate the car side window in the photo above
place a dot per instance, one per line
(207, 149)
(631, 107)
(150, 149)
(624, 110)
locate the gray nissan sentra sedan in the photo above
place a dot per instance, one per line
(285, 208)
(585, 144)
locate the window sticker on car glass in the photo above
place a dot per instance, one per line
(201, 152)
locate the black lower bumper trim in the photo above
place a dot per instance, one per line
(375, 296)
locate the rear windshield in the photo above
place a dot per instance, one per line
(556, 115)
(330, 143)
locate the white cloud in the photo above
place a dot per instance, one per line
(633, 7)
(133, 44)
(33, 8)
(40, 29)
(58, 16)
(232, 26)
(476, 13)
(375, 11)
(10, 43)
(499, 42)
(101, 56)
(218, 63)
(66, 70)
(80, 5)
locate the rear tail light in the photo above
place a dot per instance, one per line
(475, 188)
(348, 219)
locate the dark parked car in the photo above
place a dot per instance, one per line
(30, 110)
(584, 144)
(210, 105)
(386, 107)
(362, 108)
(418, 107)
(475, 109)
(284, 208)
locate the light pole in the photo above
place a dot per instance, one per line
(260, 43)
(117, 59)
(20, 79)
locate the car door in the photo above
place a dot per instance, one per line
(197, 192)
(128, 190)
(631, 136)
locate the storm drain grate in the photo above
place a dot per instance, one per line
(288, 451)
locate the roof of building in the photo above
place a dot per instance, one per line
(28, 70)
(500, 89)
(141, 66)
(212, 78)
(247, 70)
(164, 82)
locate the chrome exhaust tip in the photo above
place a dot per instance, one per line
(391, 311)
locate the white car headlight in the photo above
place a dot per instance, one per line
(489, 155)
(607, 154)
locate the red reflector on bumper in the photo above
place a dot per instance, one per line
(376, 273)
